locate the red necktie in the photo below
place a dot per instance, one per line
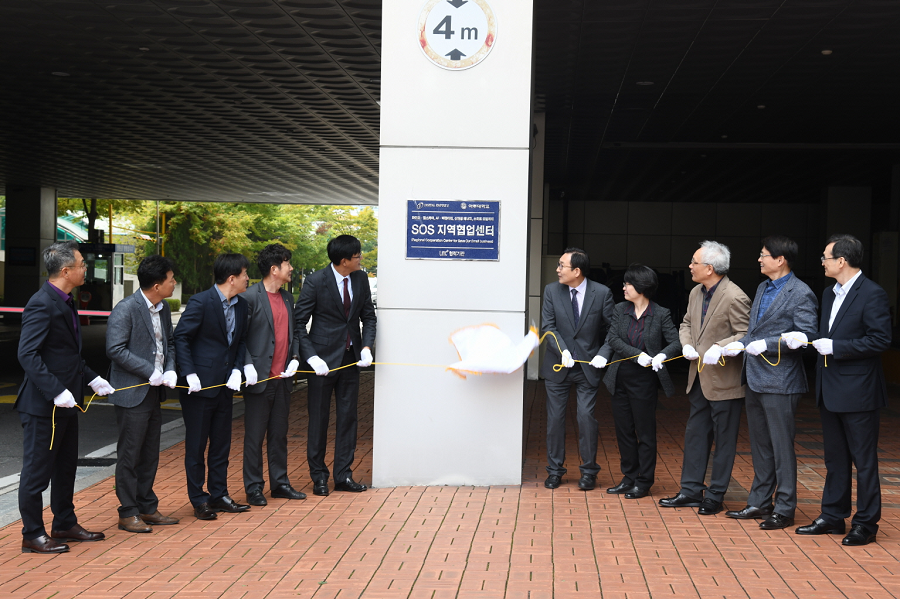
(347, 309)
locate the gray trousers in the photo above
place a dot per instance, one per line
(137, 455)
(266, 418)
(708, 422)
(557, 398)
(770, 420)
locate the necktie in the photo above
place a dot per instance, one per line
(575, 306)
(347, 308)
(229, 320)
(157, 334)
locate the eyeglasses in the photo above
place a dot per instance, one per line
(765, 255)
(356, 256)
(83, 266)
(823, 258)
(694, 262)
(561, 265)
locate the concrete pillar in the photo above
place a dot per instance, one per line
(536, 237)
(450, 135)
(30, 227)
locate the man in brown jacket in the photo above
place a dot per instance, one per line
(718, 313)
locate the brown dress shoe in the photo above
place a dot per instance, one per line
(158, 519)
(133, 524)
(77, 533)
(43, 544)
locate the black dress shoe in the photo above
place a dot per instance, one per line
(204, 512)
(708, 507)
(348, 484)
(76, 533)
(553, 481)
(680, 501)
(587, 482)
(320, 487)
(256, 497)
(857, 536)
(287, 492)
(43, 544)
(776, 521)
(227, 504)
(620, 488)
(821, 527)
(750, 513)
(636, 493)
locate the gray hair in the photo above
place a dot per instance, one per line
(716, 255)
(59, 255)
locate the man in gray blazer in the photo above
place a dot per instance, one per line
(784, 306)
(141, 345)
(271, 344)
(578, 311)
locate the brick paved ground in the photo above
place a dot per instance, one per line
(436, 542)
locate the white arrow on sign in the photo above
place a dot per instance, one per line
(457, 34)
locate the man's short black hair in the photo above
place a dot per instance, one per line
(343, 246)
(229, 264)
(579, 260)
(780, 246)
(153, 270)
(273, 254)
(847, 247)
(643, 279)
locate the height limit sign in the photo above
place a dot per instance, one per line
(457, 34)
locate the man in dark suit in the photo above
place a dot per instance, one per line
(337, 298)
(578, 311)
(854, 330)
(55, 375)
(210, 349)
(272, 351)
(784, 306)
(141, 345)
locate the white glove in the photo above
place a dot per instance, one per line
(657, 362)
(599, 362)
(65, 399)
(795, 339)
(291, 369)
(193, 382)
(170, 379)
(365, 358)
(824, 346)
(644, 359)
(156, 379)
(234, 381)
(250, 374)
(733, 349)
(319, 365)
(754, 348)
(713, 354)
(689, 352)
(101, 386)
(567, 360)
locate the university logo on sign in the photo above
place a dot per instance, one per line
(457, 34)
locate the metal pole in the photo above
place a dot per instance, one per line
(157, 227)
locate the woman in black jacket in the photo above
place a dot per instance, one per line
(639, 328)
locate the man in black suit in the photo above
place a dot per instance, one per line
(141, 345)
(337, 298)
(55, 375)
(854, 330)
(272, 351)
(579, 312)
(210, 349)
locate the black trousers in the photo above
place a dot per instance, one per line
(207, 420)
(851, 438)
(588, 433)
(266, 418)
(42, 466)
(634, 413)
(345, 385)
(137, 454)
(708, 422)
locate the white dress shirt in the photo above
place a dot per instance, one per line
(840, 292)
(579, 297)
(157, 331)
(340, 283)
